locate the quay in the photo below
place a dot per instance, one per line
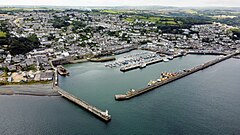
(123, 50)
(206, 52)
(133, 93)
(103, 59)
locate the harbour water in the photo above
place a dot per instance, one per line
(206, 102)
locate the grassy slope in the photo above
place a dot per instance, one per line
(3, 34)
(153, 19)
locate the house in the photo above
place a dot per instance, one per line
(12, 68)
(23, 65)
(17, 58)
(47, 67)
(46, 76)
(3, 65)
(8, 59)
(29, 62)
(1, 72)
(10, 79)
(1, 51)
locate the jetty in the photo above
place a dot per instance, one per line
(172, 55)
(206, 52)
(138, 65)
(133, 93)
(147, 63)
(237, 57)
(97, 112)
(94, 110)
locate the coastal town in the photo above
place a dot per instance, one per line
(102, 66)
(73, 36)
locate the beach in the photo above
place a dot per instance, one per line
(34, 90)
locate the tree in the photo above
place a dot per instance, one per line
(60, 22)
(23, 45)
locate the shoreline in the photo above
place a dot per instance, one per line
(47, 88)
(102, 59)
(77, 61)
(29, 90)
(24, 83)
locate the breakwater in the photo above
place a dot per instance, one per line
(94, 110)
(97, 112)
(133, 93)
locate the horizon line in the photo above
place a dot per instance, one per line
(212, 6)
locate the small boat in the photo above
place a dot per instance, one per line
(130, 91)
(170, 58)
(165, 60)
(62, 71)
(162, 55)
(143, 65)
(151, 82)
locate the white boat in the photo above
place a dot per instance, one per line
(143, 65)
(151, 82)
(170, 58)
(165, 60)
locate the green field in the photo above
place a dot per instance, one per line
(168, 23)
(154, 19)
(3, 34)
(131, 20)
(116, 11)
(111, 11)
(235, 30)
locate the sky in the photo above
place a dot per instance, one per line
(178, 3)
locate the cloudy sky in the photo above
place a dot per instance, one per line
(227, 3)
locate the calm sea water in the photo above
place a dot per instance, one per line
(206, 102)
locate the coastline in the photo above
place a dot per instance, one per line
(31, 90)
(102, 59)
(78, 61)
(25, 83)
